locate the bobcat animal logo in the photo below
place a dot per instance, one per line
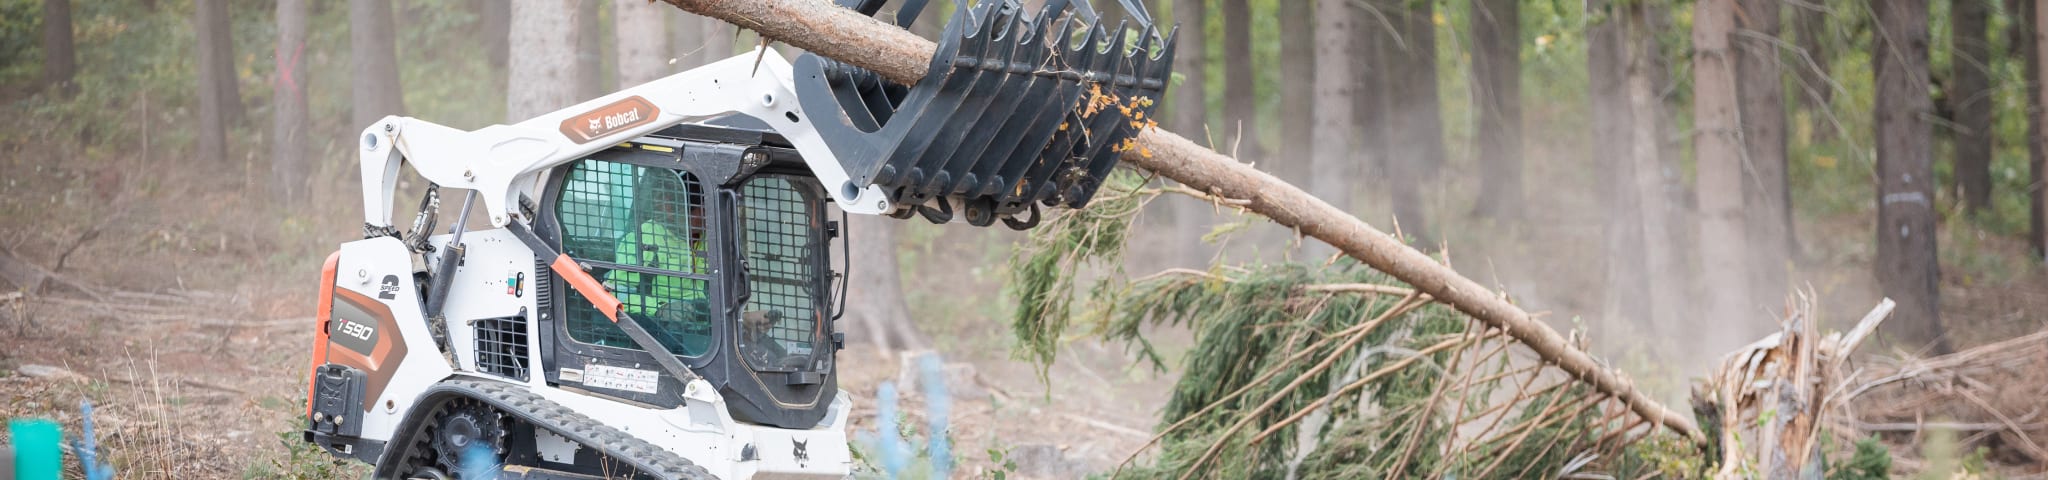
(800, 453)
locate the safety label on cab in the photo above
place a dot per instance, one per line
(620, 378)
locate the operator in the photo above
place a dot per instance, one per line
(670, 238)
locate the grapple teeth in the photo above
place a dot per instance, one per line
(1015, 109)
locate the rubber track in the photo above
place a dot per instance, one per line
(539, 412)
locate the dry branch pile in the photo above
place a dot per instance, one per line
(1990, 396)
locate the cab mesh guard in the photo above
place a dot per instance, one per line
(1017, 110)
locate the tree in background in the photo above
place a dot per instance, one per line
(1240, 92)
(60, 57)
(1497, 98)
(700, 40)
(590, 42)
(373, 56)
(1717, 150)
(220, 99)
(1187, 110)
(1655, 174)
(1607, 69)
(1371, 40)
(1334, 128)
(2033, 17)
(1810, 68)
(542, 77)
(1907, 267)
(1297, 85)
(290, 165)
(494, 24)
(1970, 100)
(1766, 194)
(1415, 115)
(643, 42)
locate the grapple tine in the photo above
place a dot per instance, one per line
(1017, 108)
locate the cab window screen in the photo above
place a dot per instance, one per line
(780, 232)
(641, 230)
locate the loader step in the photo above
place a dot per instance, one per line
(523, 406)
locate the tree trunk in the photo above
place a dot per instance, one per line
(1717, 148)
(1240, 89)
(590, 42)
(2036, 41)
(1415, 117)
(60, 58)
(1613, 148)
(1496, 27)
(373, 52)
(1767, 199)
(1188, 111)
(542, 77)
(1970, 97)
(875, 310)
(1371, 40)
(1907, 268)
(902, 57)
(1331, 135)
(1654, 176)
(494, 24)
(1816, 91)
(643, 41)
(218, 96)
(290, 166)
(700, 40)
(1297, 87)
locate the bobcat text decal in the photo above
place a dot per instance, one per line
(620, 115)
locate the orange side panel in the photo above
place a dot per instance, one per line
(321, 313)
(584, 284)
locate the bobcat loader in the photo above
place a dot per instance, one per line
(655, 296)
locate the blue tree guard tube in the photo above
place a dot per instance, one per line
(36, 455)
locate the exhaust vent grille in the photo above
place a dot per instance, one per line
(501, 347)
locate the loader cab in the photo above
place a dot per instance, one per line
(717, 239)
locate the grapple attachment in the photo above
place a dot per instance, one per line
(1017, 110)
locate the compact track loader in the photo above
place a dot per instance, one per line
(655, 296)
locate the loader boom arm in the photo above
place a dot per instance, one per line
(502, 162)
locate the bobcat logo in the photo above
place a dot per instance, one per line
(800, 453)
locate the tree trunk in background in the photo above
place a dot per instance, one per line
(373, 54)
(875, 310)
(1970, 97)
(700, 41)
(1415, 117)
(590, 39)
(1240, 87)
(1297, 87)
(643, 41)
(1654, 175)
(1717, 147)
(1496, 27)
(2036, 42)
(60, 57)
(290, 166)
(1907, 267)
(1613, 149)
(494, 24)
(542, 77)
(1371, 40)
(223, 40)
(1815, 92)
(1332, 135)
(1767, 199)
(1188, 111)
(217, 94)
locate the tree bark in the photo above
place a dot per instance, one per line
(1613, 148)
(60, 57)
(901, 57)
(1240, 89)
(1496, 27)
(1970, 97)
(1907, 267)
(542, 77)
(290, 166)
(494, 24)
(219, 98)
(2036, 52)
(373, 50)
(876, 313)
(1816, 91)
(1334, 128)
(1188, 111)
(590, 43)
(1372, 37)
(1767, 198)
(642, 41)
(1415, 117)
(1296, 162)
(1717, 148)
(1654, 175)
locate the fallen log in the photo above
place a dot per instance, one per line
(841, 34)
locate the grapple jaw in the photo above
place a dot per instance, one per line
(1017, 110)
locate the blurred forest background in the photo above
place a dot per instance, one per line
(1659, 173)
